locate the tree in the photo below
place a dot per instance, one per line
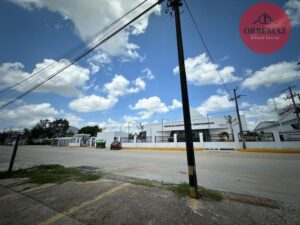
(92, 130)
(59, 127)
(141, 127)
(49, 129)
(41, 129)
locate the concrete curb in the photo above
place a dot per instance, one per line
(255, 150)
(163, 149)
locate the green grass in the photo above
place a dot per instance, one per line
(183, 190)
(50, 174)
(146, 183)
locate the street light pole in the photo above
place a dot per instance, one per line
(175, 4)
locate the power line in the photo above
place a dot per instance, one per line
(82, 55)
(72, 51)
(205, 46)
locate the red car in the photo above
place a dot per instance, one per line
(115, 145)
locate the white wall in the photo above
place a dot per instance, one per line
(277, 144)
(109, 136)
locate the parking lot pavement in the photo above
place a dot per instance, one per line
(114, 202)
(274, 176)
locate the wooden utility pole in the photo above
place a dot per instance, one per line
(235, 98)
(175, 4)
(13, 156)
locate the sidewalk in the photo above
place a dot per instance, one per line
(108, 201)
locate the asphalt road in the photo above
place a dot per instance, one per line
(274, 176)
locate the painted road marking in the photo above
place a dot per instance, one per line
(73, 209)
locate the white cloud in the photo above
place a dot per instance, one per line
(215, 103)
(139, 83)
(28, 115)
(148, 74)
(120, 86)
(146, 107)
(130, 119)
(175, 104)
(293, 10)
(92, 103)
(89, 18)
(98, 60)
(74, 120)
(149, 106)
(279, 73)
(200, 71)
(66, 83)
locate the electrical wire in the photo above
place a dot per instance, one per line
(206, 47)
(82, 55)
(71, 52)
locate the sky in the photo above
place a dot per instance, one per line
(133, 78)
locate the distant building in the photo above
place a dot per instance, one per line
(211, 127)
(286, 125)
(286, 122)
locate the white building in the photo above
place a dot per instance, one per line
(110, 136)
(213, 128)
(171, 133)
(78, 140)
(286, 125)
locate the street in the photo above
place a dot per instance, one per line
(274, 176)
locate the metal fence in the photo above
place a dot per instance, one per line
(257, 137)
(289, 136)
(144, 139)
(220, 138)
(181, 138)
(126, 140)
(164, 139)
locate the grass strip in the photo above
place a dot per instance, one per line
(51, 174)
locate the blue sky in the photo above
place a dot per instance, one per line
(134, 77)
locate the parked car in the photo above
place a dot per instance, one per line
(115, 145)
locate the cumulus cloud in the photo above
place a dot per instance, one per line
(92, 103)
(292, 8)
(200, 71)
(98, 60)
(28, 115)
(149, 106)
(279, 73)
(120, 86)
(148, 74)
(175, 104)
(96, 15)
(74, 120)
(215, 103)
(66, 83)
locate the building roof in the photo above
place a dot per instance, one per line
(263, 124)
